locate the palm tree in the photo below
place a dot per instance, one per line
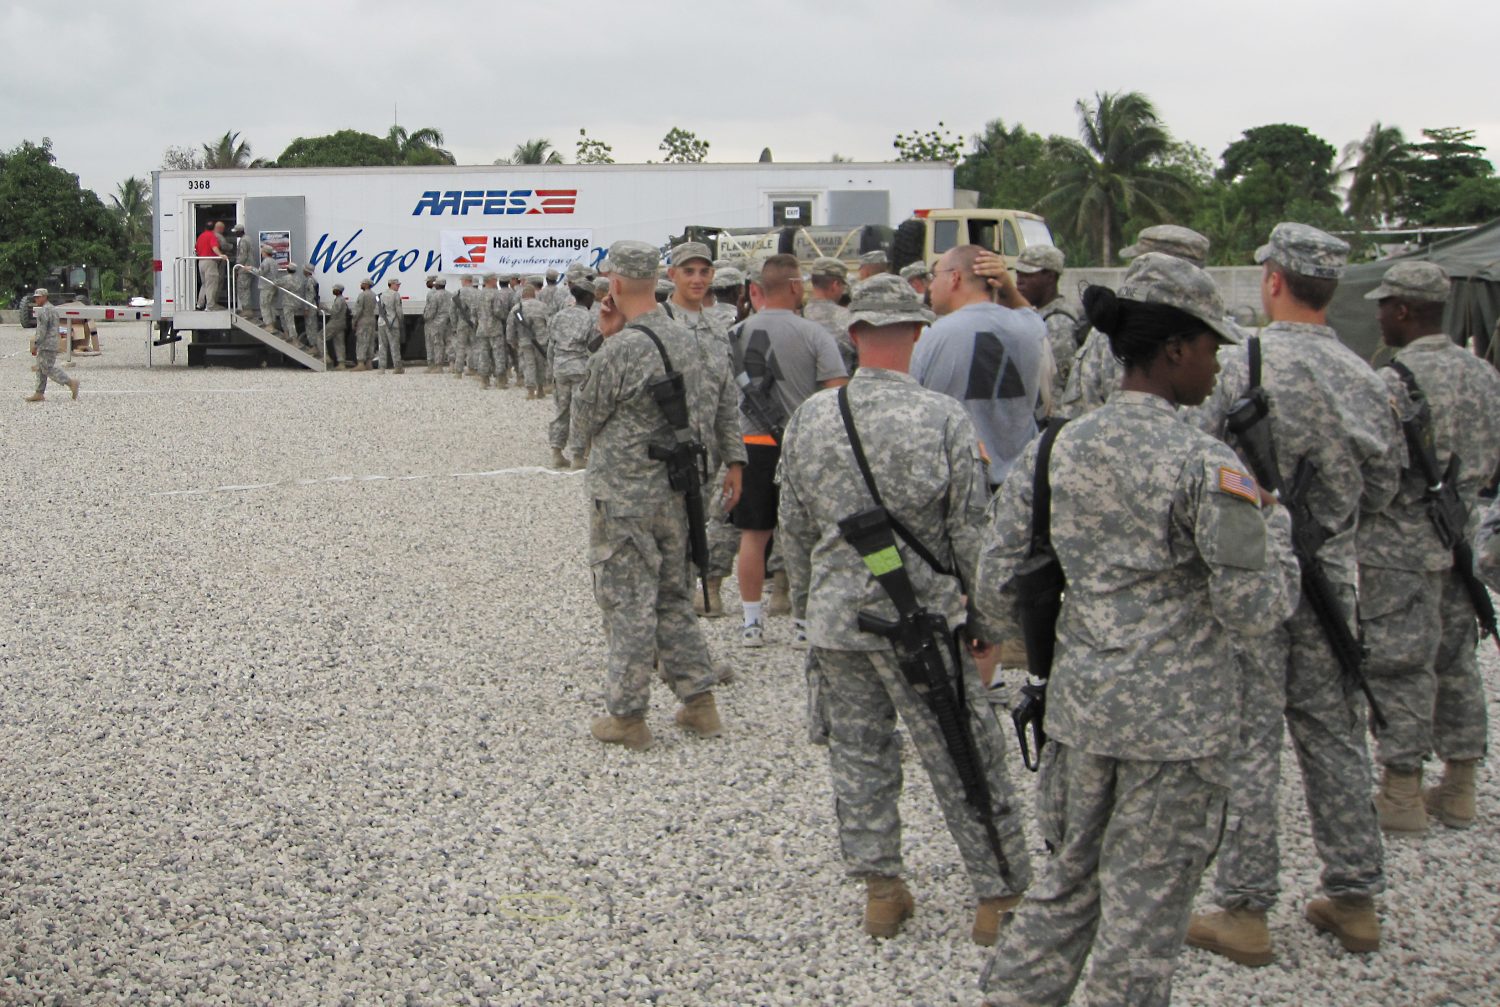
(538, 151)
(132, 204)
(229, 151)
(418, 146)
(1376, 168)
(1115, 173)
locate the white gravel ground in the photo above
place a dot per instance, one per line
(294, 707)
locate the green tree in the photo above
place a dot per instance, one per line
(417, 146)
(131, 203)
(229, 151)
(1300, 162)
(591, 151)
(538, 151)
(1470, 201)
(934, 145)
(1113, 173)
(131, 206)
(1376, 167)
(682, 147)
(1010, 167)
(344, 149)
(47, 220)
(1440, 164)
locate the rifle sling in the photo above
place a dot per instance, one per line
(1041, 491)
(864, 470)
(1252, 348)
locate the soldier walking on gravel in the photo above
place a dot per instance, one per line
(638, 531)
(466, 322)
(1169, 550)
(338, 325)
(44, 345)
(572, 332)
(1419, 624)
(1328, 407)
(364, 318)
(437, 321)
(924, 461)
(389, 311)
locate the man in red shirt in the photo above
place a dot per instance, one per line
(210, 258)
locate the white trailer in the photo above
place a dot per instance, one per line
(408, 223)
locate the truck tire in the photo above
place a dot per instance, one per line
(910, 243)
(28, 314)
(875, 237)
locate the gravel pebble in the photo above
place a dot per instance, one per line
(296, 700)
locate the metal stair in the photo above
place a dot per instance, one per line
(276, 343)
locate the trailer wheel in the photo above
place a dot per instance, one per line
(909, 244)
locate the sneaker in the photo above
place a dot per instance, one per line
(754, 635)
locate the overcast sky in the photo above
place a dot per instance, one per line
(114, 83)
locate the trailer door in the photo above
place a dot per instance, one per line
(279, 214)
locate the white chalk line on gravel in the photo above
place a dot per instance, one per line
(373, 478)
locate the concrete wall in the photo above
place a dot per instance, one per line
(1238, 285)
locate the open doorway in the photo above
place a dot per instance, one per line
(206, 215)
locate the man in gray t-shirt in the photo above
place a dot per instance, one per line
(987, 356)
(779, 359)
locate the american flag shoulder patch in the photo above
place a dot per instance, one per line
(1238, 484)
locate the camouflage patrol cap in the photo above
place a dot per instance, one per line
(875, 258)
(887, 300)
(914, 270)
(307, 268)
(752, 270)
(665, 287)
(1413, 281)
(690, 250)
(536, 280)
(826, 265)
(1305, 250)
(601, 284)
(722, 263)
(291, 266)
(39, 292)
(1170, 239)
(633, 260)
(490, 276)
(440, 282)
(238, 229)
(728, 277)
(431, 280)
(551, 274)
(367, 282)
(1158, 278)
(1039, 258)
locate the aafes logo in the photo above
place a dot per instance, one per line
(496, 202)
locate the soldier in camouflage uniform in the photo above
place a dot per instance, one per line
(269, 289)
(528, 333)
(290, 287)
(916, 274)
(245, 256)
(1095, 373)
(1168, 552)
(466, 320)
(572, 331)
(1327, 405)
(692, 275)
(830, 282)
(925, 462)
(1038, 270)
(389, 314)
(338, 326)
(44, 345)
(638, 523)
(307, 289)
(728, 285)
(873, 264)
(1418, 622)
(364, 326)
(489, 331)
(438, 316)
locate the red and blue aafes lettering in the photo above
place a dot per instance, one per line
(495, 202)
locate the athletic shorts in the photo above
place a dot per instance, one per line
(759, 496)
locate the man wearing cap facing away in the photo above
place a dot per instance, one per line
(245, 256)
(638, 530)
(364, 326)
(389, 310)
(1038, 270)
(924, 461)
(44, 345)
(916, 274)
(1419, 625)
(830, 282)
(338, 326)
(873, 264)
(1328, 406)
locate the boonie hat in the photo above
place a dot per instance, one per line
(887, 300)
(1158, 278)
(1170, 239)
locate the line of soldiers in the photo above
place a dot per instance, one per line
(1183, 571)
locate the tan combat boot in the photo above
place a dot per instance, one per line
(1399, 802)
(631, 732)
(1240, 935)
(484, 381)
(503, 381)
(715, 598)
(398, 370)
(1351, 919)
(73, 387)
(700, 715)
(36, 397)
(1452, 800)
(581, 460)
(781, 595)
(888, 904)
(988, 918)
(558, 461)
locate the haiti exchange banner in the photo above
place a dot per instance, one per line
(514, 251)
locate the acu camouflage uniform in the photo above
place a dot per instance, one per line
(466, 321)
(527, 334)
(638, 524)
(834, 317)
(489, 333)
(270, 291)
(925, 458)
(364, 326)
(245, 254)
(572, 329)
(1419, 625)
(289, 285)
(389, 310)
(337, 327)
(438, 315)
(1062, 328)
(1327, 405)
(1167, 555)
(48, 322)
(1487, 548)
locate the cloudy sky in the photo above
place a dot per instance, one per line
(113, 83)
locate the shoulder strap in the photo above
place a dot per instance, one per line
(1407, 378)
(869, 477)
(1041, 491)
(1253, 348)
(666, 361)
